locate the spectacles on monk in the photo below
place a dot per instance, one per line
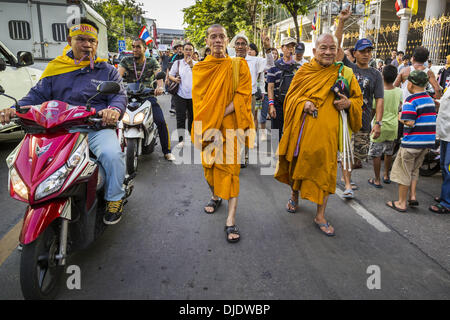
(90, 40)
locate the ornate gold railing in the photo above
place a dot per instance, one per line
(434, 34)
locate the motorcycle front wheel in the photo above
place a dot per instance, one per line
(132, 155)
(40, 273)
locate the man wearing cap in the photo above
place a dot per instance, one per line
(73, 77)
(278, 81)
(419, 133)
(299, 52)
(371, 83)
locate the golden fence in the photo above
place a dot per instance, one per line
(433, 34)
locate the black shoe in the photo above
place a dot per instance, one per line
(114, 210)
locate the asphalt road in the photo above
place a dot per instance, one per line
(166, 247)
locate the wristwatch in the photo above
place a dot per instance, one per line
(380, 123)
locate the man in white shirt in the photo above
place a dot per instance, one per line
(181, 72)
(256, 65)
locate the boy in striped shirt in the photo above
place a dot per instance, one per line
(419, 134)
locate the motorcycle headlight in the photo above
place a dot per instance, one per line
(77, 155)
(12, 156)
(53, 183)
(18, 186)
(126, 118)
(139, 118)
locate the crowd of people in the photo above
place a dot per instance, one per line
(314, 105)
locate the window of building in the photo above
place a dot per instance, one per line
(19, 30)
(59, 32)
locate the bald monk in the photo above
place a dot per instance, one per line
(309, 164)
(221, 97)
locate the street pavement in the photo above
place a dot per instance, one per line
(166, 247)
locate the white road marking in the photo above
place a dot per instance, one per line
(366, 215)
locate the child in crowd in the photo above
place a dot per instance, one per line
(384, 144)
(419, 118)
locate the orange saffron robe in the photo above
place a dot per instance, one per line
(313, 171)
(212, 92)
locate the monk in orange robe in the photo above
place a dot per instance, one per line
(309, 163)
(221, 98)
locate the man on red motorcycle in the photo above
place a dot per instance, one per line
(73, 78)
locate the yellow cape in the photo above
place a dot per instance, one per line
(64, 64)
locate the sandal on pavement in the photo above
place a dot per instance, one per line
(372, 183)
(387, 181)
(440, 209)
(394, 207)
(293, 204)
(413, 203)
(348, 194)
(232, 230)
(215, 204)
(324, 225)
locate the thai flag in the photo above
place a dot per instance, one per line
(314, 21)
(145, 35)
(401, 4)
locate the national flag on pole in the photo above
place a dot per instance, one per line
(145, 35)
(314, 21)
(155, 35)
(401, 4)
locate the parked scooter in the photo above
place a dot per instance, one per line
(53, 171)
(139, 129)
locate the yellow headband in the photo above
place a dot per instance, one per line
(83, 29)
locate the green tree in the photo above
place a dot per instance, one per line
(234, 15)
(297, 7)
(115, 13)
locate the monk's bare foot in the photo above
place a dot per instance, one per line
(213, 204)
(292, 204)
(324, 226)
(232, 236)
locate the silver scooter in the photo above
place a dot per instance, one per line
(138, 127)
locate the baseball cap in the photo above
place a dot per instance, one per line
(362, 44)
(418, 77)
(300, 48)
(287, 41)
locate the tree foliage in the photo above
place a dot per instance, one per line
(113, 11)
(234, 15)
(298, 7)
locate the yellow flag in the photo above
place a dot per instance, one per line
(413, 5)
(301, 28)
(289, 31)
(276, 35)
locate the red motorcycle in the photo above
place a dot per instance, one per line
(53, 171)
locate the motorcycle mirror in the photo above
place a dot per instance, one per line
(16, 105)
(160, 76)
(108, 87)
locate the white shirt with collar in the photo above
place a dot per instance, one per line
(185, 71)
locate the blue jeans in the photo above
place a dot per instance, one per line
(106, 147)
(445, 167)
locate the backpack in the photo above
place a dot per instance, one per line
(287, 74)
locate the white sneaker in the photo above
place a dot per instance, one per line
(169, 157)
(180, 145)
(263, 135)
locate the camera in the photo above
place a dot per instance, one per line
(340, 87)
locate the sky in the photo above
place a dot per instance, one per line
(167, 13)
